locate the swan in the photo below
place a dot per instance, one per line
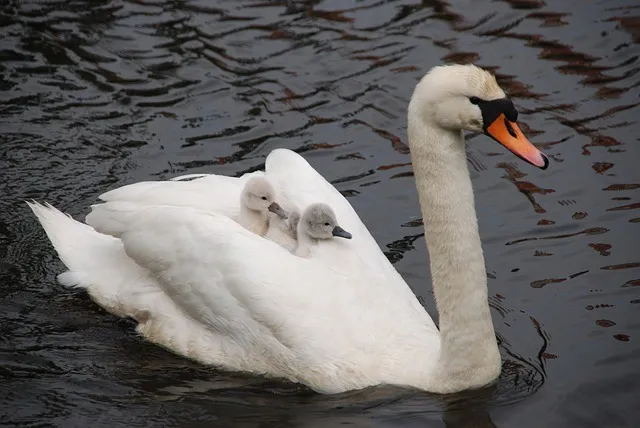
(203, 286)
(318, 223)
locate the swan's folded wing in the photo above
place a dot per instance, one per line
(215, 193)
(112, 218)
(301, 185)
(204, 192)
(246, 287)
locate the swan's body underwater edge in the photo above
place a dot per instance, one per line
(204, 287)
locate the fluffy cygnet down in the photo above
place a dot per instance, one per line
(283, 231)
(257, 200)
(299, 234)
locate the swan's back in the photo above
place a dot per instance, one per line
(328, 327)
(300, 185)
(211, 192)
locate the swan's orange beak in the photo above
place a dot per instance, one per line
(509, 135)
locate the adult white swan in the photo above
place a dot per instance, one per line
(203, 286)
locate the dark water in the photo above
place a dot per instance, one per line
(95, 95)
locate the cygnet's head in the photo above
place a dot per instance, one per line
(466, 97)
(259, 195)
(319, 222)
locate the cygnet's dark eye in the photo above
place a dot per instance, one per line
(327, 224)
(475, 100)
(264, 198)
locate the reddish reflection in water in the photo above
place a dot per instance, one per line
(542, 282)
(620, 187)
(630, 24)
(633, 206)
(605, 323)
(600, 141)
(602, 167)
(335, 16)
(513, 174)
(545, 222)
(589, 232)
(395, 165)
(602, 249)
(622, 266)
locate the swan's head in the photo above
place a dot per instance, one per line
(319, 222)
(466, 97)
(259, 195)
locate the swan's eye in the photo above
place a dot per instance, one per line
(475, 100)
(264, 198)
(327, 224)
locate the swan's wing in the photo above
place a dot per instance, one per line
(111, 217)
(114, 217)
(211, 192)
(250, 289)
(211, 188)
(223, 275)
(301, 185)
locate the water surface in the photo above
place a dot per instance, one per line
(99, 94)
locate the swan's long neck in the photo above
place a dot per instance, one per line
(469, 352)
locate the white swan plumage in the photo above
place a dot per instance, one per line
(203, 286)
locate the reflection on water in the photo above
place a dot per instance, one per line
(98, 94)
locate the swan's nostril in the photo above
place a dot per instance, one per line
(510, 129)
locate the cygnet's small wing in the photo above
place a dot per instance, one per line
(279, 232)
(294, 219)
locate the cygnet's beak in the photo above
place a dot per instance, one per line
(341, 233)
(277, 210)
(509, 135)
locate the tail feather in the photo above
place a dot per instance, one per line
(74, 242)
(97, 263)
